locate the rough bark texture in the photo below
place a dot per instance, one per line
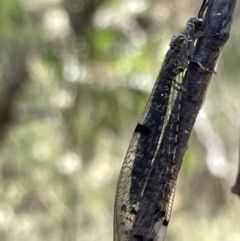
(218, 22)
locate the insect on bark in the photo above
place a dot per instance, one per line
(146, 184)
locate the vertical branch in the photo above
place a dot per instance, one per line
(217, 22)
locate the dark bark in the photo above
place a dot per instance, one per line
(217, 22)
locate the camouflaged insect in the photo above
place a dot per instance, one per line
(147, 181)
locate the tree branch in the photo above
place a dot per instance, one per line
(217, 22)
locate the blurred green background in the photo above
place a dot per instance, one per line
(75, 76)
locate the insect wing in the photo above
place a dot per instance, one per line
(145, 141)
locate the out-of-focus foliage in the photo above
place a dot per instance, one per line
(75, 75)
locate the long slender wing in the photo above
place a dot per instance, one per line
(145, 141)
(155, 206)
(148, 177)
